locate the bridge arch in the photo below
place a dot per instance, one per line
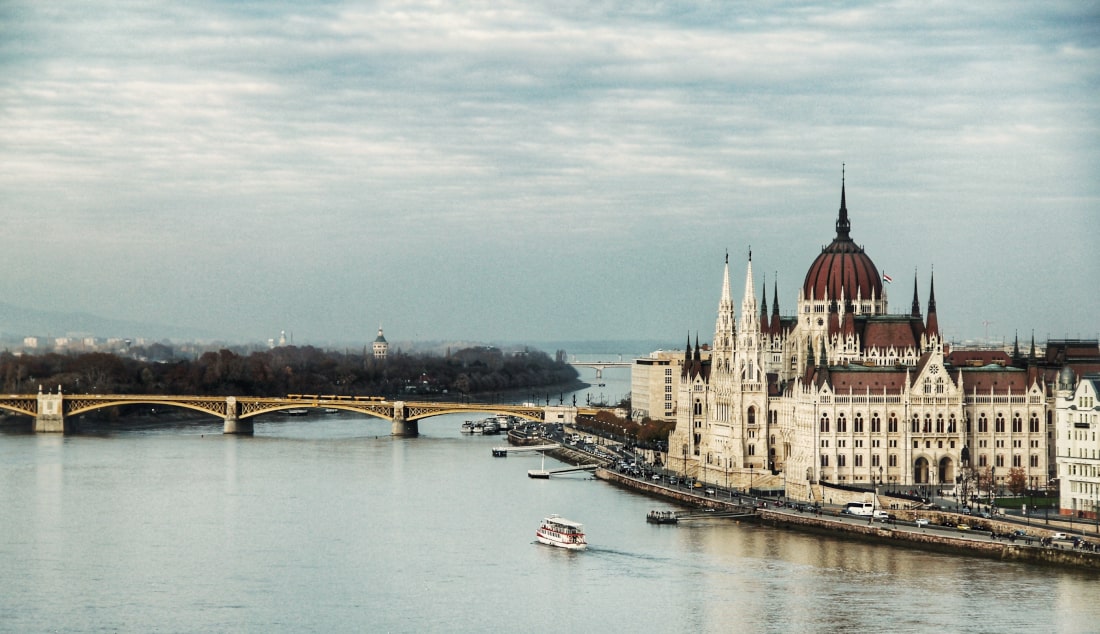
(270, 409)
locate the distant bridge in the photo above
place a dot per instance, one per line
(52, 411)
(601, 365)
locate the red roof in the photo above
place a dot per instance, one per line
(859, 381)
(995, 379)
(978, 357)
(890, 331)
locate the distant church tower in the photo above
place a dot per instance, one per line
(381, 346)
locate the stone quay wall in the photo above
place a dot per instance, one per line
(827, 524)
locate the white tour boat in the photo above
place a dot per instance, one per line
(560, 532)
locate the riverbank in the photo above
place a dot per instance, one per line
(927, 538)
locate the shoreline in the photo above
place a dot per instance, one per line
(877, 533)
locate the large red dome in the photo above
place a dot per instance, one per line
(842, 266)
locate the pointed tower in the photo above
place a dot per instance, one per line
(932, 326)
(916, 299)
(776, 325)
(725, 330)
(749, 325)
(764, 326)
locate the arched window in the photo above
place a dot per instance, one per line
(841, 423)
(824, 424)
(857, 424)
(939, 423)
(892, 424)
(1000, 426)
(876, 423)
(915, 425)
(1033, 424)
(927, 423)
(951, 424)
(752, 415)
(983, 424)
(1017, 424)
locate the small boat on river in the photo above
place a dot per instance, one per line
(560, 532)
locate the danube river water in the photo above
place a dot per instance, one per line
(326, 523)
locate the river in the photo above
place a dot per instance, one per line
(326, 523)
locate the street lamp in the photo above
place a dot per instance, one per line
(992, 482)
(879, 480)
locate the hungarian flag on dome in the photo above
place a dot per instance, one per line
(886, 278)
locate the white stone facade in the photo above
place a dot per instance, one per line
(1077, 424)
(844, 392)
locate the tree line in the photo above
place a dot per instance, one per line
(286, 370)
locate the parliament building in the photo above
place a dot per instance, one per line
(845, 392)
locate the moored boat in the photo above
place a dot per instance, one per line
(468, 427)
(662, 517)
(560, 532)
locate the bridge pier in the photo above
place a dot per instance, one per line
(233, 423)
(402, 427)
(51, 417)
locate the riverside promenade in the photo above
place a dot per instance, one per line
(902, 532)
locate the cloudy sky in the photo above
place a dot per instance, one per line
(525, 170)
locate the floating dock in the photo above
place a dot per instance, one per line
(502, 452)
(546, 473)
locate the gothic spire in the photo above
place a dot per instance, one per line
(748, 302)
(933, 325)
(764, 305)
(916, 299)
(843, 227)
(776, 326)
(1031, 355)
(725, 326)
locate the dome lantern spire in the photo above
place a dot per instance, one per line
(843, 226)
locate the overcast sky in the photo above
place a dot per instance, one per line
(532, 171)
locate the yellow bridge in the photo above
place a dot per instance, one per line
(52, 412)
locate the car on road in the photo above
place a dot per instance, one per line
(710, 491)
(963, 527)
(1059, 536)
(656, 476)
(922, 522)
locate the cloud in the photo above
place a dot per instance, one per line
(367, 146)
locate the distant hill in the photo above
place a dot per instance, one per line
(17, 322)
